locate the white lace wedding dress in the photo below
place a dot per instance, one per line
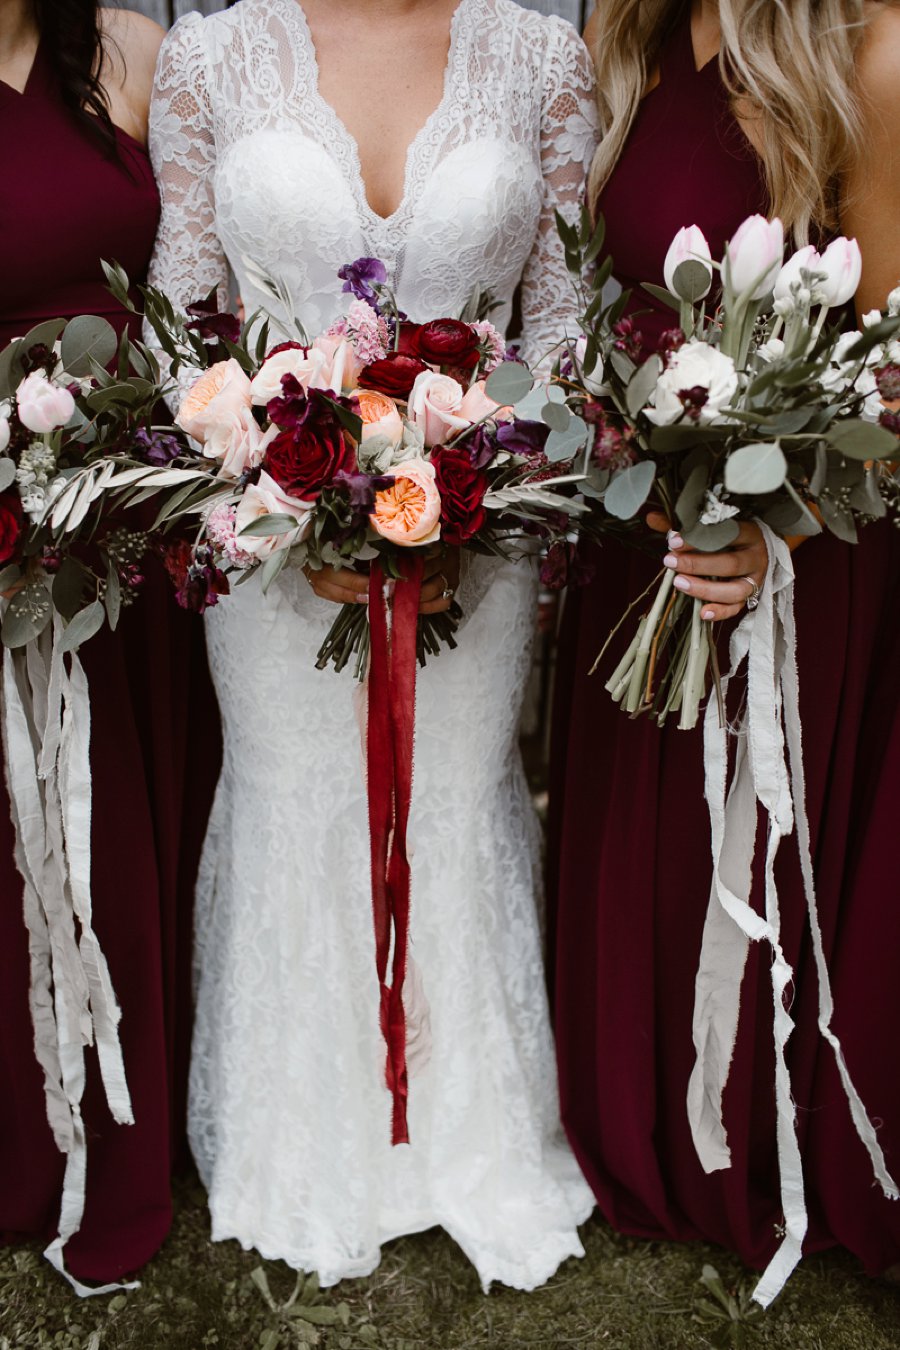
(289, 1113)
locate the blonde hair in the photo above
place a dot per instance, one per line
(788, 64)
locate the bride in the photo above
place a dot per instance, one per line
(279, 135)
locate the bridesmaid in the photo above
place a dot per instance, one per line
(75, 84)
(713, 112)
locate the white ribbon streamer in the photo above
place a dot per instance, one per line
(766, 639)
(46, 724)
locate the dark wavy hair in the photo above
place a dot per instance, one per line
(73, 42)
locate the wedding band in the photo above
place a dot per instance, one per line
(446, 593)
(752, 601)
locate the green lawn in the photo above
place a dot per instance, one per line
(625, 1295)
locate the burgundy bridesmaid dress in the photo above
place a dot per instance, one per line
(629, 850)
(64, 206)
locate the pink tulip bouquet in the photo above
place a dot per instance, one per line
(756, 405)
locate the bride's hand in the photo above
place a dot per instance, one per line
(344, 586)
(745, 563)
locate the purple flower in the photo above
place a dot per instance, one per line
(360, 489)
(212, 325)
(156, 447)
(522, 438)
(361, 277)
(482, 447)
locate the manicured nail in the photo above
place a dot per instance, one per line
(707, 614)
(362, 599)
(682, 583)
(670, 560)
(675, 540)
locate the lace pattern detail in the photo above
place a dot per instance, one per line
(289, 1116)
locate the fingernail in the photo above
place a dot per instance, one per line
(362, 599)
(670, 560)
(681, 584)
(707, 614)
(675, 540)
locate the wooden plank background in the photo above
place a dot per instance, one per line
(167, 11)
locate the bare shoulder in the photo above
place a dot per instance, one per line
(134, 43)
(879, 59)
(592, 31)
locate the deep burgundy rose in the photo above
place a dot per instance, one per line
(448, 342)
(305, 459)
(210, 324)
(10, 523)
(394, 375)
(462, 488)
(198, 582)
(408, 337)
(563, 566)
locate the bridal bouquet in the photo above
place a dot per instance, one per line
(752, 408)
(373, 445)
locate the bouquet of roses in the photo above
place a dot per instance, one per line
(750, 409)
(371, 445)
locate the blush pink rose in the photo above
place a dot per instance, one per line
(308, 365)
(409, 513)
(237, 441)
(42, 405)
(434, 407)
(342, 366)
(221, 390)
(476, 405)
(266, 498)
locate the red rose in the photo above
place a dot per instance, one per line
(462, 488)
(447, 342)
(408, 337)
(306, 458)
(394, 375)
(11, 521)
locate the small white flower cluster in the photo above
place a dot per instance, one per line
(38, 486)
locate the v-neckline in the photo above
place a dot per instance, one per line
(26, 90)
(299, 17)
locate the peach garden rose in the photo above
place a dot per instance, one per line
(222, 390)
(409, 513)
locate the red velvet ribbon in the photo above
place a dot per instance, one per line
(389, 755)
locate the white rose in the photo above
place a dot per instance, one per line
(893, 302)
(266, 498)
(434, 406)
(695, 365)
(43, 406)
(4, 424)
(773, 350)
(308, 366)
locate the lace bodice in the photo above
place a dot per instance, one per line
(257, 171)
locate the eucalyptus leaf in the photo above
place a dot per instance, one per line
(11, 371)
(863, 440)
(712, 538)
(9, 576)
(621, 364)
(691, 280)
(595, 482)
(529, 408)
(7, 472)
(683, 435)
(273, 523)
(68, 589)
(113, 597)
(804, 522)
(83, 626)
(817, 481)
(27, 615)
(692, 495)
(839, 522)
(563, 445)
(87, 337)
(43, 334)
(866, 498)
(642, 384)
(756, 469)
(509, 383)
(555, 415)
(272, 567)
(629, 490)
(661, 294)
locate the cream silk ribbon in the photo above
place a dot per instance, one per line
(46, 723)
(770, 722)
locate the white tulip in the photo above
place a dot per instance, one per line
(789, 282)
(753, 257)
(688, 246)
(842, 264)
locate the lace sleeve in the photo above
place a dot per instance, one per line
(188, 259)
(568, 141)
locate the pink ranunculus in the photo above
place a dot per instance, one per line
(308, 365)
(221, 390)
(434, 407)
(237, 441)
(342, 367)
(476, 405)
(753, 257)
(409, 512)
(265, 498)
(42, 405)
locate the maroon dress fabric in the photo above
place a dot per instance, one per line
(63, 207)
(629, 849)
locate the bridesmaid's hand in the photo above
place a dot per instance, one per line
(745, 563)
(344, 586)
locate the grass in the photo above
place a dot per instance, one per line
(625, 1295)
